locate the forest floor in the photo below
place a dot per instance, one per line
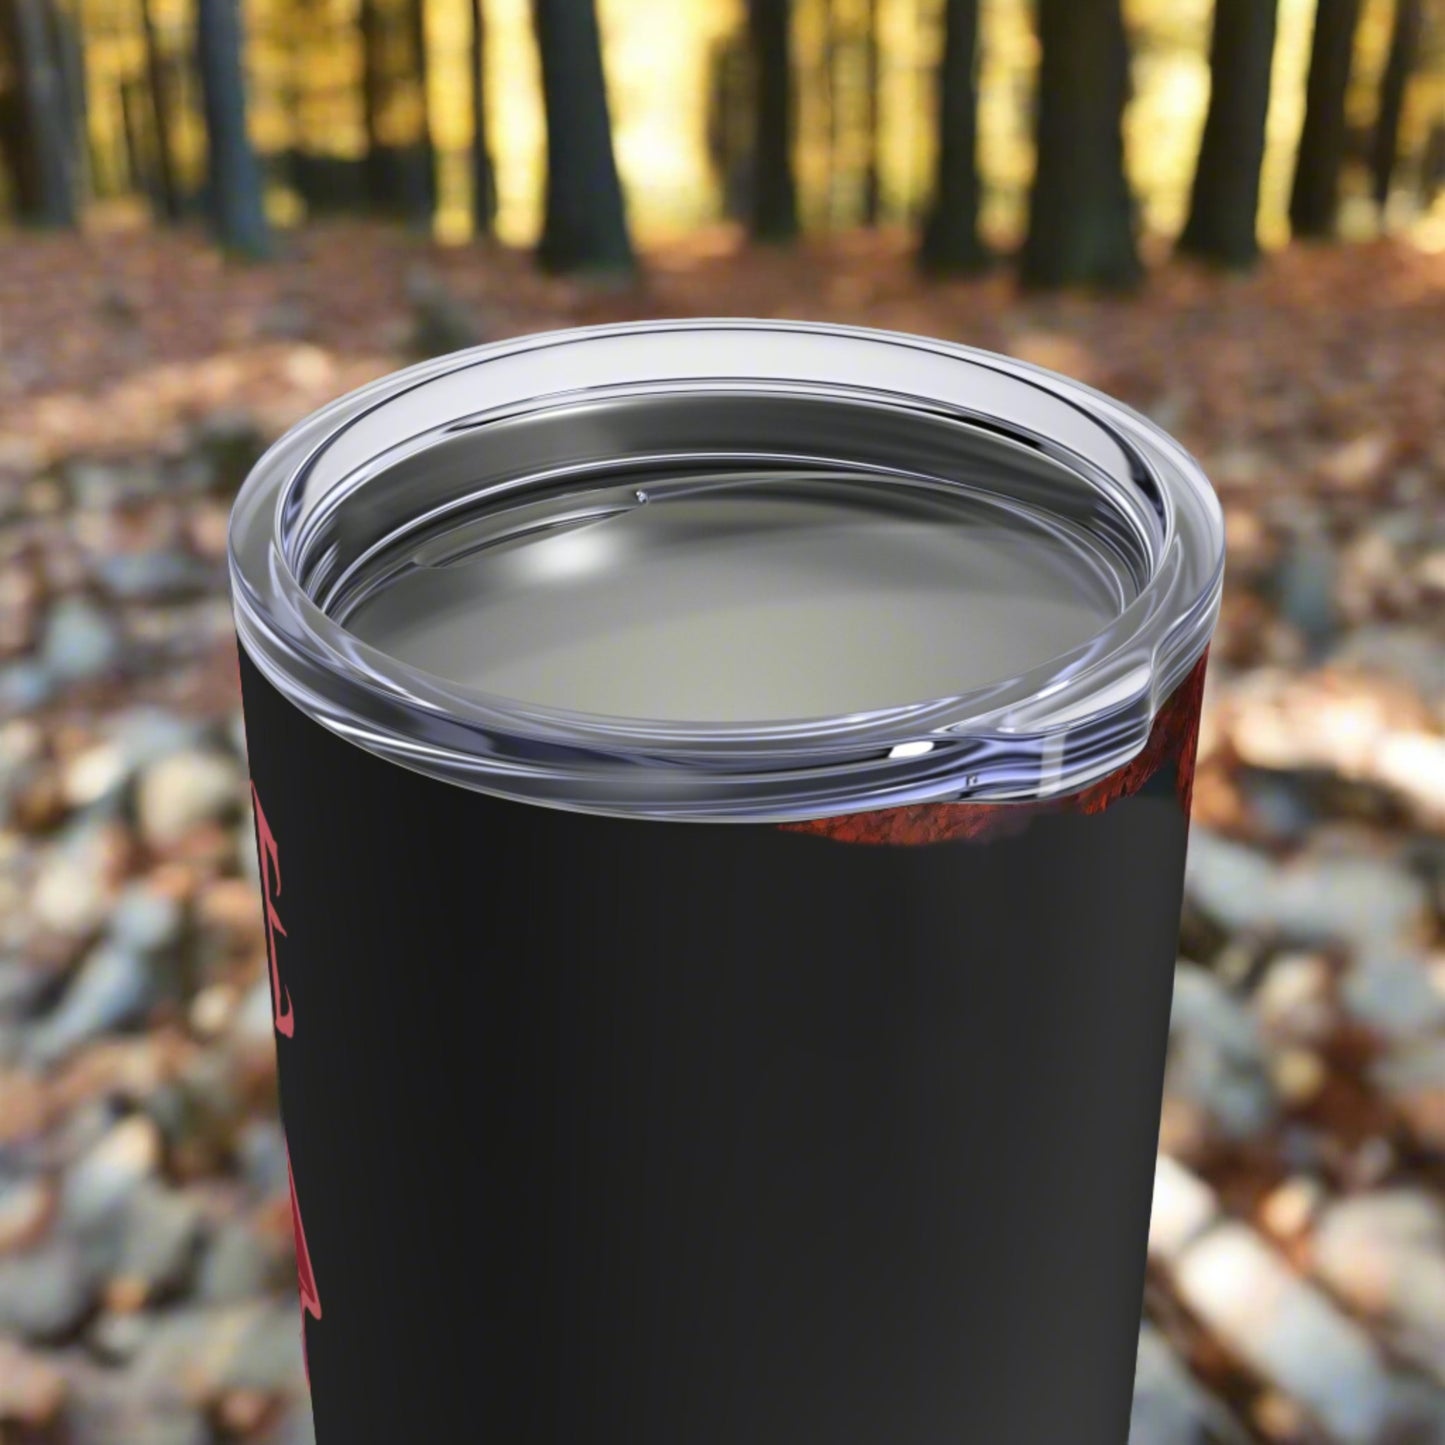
(1297, 1278)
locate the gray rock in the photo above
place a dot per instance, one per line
(252, 1025)
(46, 1292)
(1384, 1253)
(1305, 586)
(236, 1266)
(159, 1239)
(1409, 653)
(1169, 1406)
(79, 641)
(184, 790)
(24, 686)
(1294, 1000)
(22, 986)
(150, 574)
(26, 1202)
(246, 852)
(1317, 898)
(1391, 992)
(268, 1353)
(261, 1150)
(252, 1346)
(142, 1423)
(99, 775)
(1279, 805)
(114, 986)
(118, 1336)
(236, 732)
(1290, 1334)
(1184, 1207)
(145, 921)
(100, 1186)
(72, 891)
(97, 484)
(145, 735)
(1217, 1061)
(1412, 1076)
(93, 778)
(186, 1344)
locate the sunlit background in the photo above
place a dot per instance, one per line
(669, 64)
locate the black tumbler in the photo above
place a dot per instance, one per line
(722, 792)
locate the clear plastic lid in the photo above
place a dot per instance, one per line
(732, 570)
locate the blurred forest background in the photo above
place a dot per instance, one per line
(216, 215)
(965, 119)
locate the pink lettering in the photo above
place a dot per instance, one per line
(281, 1008)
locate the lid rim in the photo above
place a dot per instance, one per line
(1054, 729)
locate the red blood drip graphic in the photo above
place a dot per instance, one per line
(1172, 742)
(271, 887)
(305, 1275)
(285, 1019)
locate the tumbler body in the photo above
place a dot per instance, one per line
(716, 1068)
(636, 1132)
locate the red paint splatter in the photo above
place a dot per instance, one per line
(284, 1016)
(1173, 741)
(305, 1274)
(281, 1010)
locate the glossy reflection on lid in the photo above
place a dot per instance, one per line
(763, 599)
(730, 570)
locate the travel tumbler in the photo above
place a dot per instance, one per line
(721, 791)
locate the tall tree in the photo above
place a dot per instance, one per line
(41, 131)
(400, 161)
(774, 210)
(1385, 144)
(872, 117)
(1225, 203)
(68, 47)
(233, 177)
(167, 194)
(586, 220)
(484, 176)
(832, 111)
(1314, 202)
(421, 195)
(1081, 213)
(950, 233)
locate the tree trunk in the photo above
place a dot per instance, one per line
(1385, 146)
(16, 152)
(400, 164)
(43, 131)
(69, 51)
(832, 116)
(136, 168)
(233, 178)
(586, 220)
(422, 197)
(1081, 213)
(950, 233)
(167, 192)
(1225, 203)
(774, 199)
(372, 51)
(872, 80)
(484, 177)
(1314, 201)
